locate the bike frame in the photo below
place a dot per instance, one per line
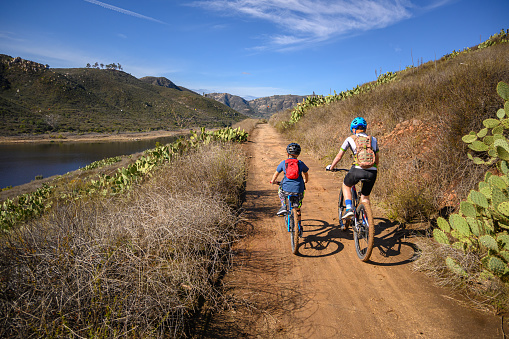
(290, 201)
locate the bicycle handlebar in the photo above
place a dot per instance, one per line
(337, 170)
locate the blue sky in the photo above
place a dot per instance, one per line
(248, 47)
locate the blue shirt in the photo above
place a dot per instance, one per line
(293, 185)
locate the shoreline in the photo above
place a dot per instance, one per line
(89, 137)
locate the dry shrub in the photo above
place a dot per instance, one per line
(138, 265)
(248, 125)
(483, 290)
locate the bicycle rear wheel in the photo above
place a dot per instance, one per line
(343, 223)
(364, 232)
(294, 232)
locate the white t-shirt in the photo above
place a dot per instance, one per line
(350, 143)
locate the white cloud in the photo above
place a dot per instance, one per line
(123, 11)
(310, 21)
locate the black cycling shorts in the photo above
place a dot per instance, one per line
(355, 175)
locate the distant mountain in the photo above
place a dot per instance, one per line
(237, 103)
(260, 107)
(37, 99)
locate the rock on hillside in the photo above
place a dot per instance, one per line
(267, 106)
(258, 108)
(237, 103)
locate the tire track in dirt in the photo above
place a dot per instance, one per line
(325, 291)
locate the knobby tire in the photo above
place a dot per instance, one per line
(364, 239)
(294, 232)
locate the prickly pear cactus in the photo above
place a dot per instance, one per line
(455, 267)
(440, 237)
(483, 219)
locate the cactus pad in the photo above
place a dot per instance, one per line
(504, 255)
(503, 239)
(467, 209)
(498, 182)
(474, 226)
(469, 138)
(440, 237)
(482, 133)
(491, 123)
(459, 245)
(503, 90)
(479, 198)
(504, 167)
(499, 130)
(443, 224)
(497, 196)
(497, 266)
(500, 114)
(460, 224)
(504, 208)
(478, 146)
(489, 242)
(455, 267)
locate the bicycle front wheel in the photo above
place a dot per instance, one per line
(364, 232)
(294, 232)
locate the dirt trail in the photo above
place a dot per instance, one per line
(325, 291)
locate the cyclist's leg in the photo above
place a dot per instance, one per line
(282, 196)
(369, 179)
(297, 209)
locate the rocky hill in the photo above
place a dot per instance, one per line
(260, 107)
(37, 99)
(237, 103)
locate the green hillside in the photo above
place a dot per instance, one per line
(37, 99)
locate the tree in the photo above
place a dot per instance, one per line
(89, 65)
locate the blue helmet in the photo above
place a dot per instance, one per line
(358, 123)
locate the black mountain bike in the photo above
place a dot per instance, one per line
(362, 223)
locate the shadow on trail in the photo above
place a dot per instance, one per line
(392, 244)
(257, 306)
(320, 239)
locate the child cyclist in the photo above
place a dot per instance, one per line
(295, 177)
(362, 169)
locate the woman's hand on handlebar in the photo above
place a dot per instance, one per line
(329, 168)
(274, 182)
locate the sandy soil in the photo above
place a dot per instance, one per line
(325, 291)
(91, 137)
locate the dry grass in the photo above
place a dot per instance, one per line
(484, 291)
(139, 265)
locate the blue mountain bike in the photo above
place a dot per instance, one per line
(292, 222)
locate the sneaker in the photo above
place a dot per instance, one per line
(348, 214)
(282, 211)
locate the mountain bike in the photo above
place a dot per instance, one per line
(362, 223)
(292, 222)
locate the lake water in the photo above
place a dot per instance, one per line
(21, 163)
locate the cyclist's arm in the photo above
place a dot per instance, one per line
(337, 158)
(305, 175)
(274, 177)
(377, 158)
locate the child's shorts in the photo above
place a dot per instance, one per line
(283, 194)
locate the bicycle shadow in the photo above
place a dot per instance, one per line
(320, 239)
(390, 242)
